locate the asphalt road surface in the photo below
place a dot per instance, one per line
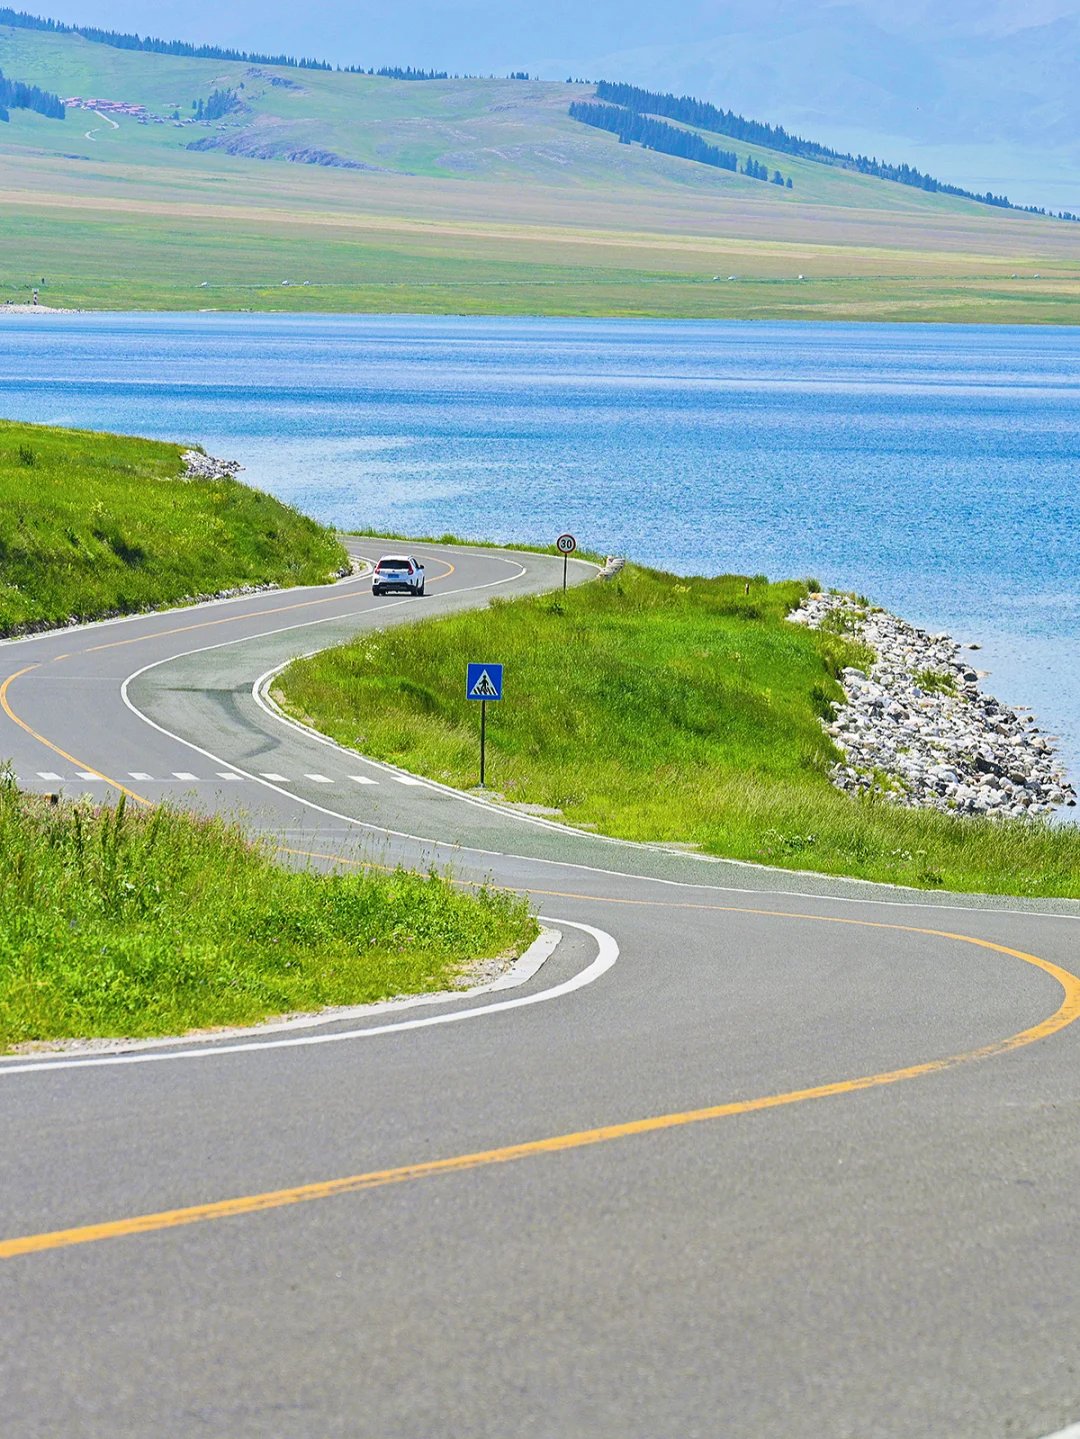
(753, 1154)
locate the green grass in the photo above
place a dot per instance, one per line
(141, 922)
(97, 524)
(663, 709)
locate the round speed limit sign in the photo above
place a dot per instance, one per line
(566, 544)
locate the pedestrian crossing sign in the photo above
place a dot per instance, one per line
(483, 682)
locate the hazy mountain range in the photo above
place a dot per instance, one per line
(981, 94)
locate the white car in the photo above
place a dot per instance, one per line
(398, 572)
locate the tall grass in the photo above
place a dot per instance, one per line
(664, 709)
(97, 524)
(115, 921)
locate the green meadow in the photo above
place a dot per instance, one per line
(666, 710)
(464, 196)
(98, 524)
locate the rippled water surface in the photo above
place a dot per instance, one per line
(932, 467)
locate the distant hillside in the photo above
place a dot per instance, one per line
(194, 178)
(700, 114)
(630, 123)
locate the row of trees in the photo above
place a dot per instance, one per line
(631, 125)
(704, 116)
(21, 19)
(395, 72)
(18, 96)
(653, 134)
(757, 171)
(120, 41)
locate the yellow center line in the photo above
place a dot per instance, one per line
(78, 763)
(231, 619)
(1067, 1012)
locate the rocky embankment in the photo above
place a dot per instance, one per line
(199, 466)
(917, 729)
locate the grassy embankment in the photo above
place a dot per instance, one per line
(157, 922)
(661, 709)
(97, 524)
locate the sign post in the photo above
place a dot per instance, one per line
(483, 682)
(566, 545)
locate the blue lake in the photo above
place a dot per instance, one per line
(932, 467)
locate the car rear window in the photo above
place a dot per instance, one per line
(392, 562)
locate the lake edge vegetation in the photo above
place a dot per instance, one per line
(663, 709)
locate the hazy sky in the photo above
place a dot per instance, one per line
(981, 92)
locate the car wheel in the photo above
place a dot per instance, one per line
(420, 591)
(375, 590)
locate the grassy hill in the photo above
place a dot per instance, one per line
(462, 196)
(92, 525)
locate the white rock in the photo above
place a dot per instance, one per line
(926, 741)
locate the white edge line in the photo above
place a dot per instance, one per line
(1072, 1432)
(519, 973)
(607, 954)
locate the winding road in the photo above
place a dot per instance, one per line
(751, 1154)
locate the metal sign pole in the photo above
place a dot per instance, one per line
(483, 738)
(483, 682)
(566, 545)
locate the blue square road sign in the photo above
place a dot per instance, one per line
(483, 682)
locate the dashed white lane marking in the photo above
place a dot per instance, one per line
(406, 779)
(186, 774)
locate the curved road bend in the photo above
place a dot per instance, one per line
(889, 1251)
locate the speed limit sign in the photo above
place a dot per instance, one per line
(566, 545)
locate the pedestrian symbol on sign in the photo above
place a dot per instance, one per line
(485, 688)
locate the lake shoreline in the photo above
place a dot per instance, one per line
(917, 730)
(930, 466)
